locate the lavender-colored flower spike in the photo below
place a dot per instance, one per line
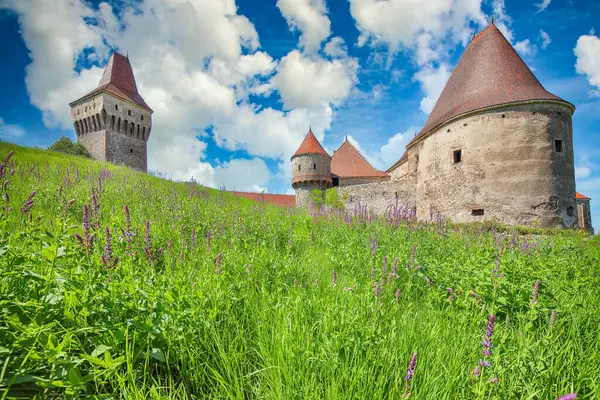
(107, 259)
(411, 370)
(413, 254)
(394, 267)
(536, 288)
(372, 274)
(570, 396)
(451, 298)
(476, 371)
(208, 240)
(397, 295)
(333, 278)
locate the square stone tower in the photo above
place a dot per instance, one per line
(113, 121)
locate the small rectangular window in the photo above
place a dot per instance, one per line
(558, 146)
(477, 212)
(457, 156)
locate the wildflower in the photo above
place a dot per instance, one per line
(151, 255)
(377, 290)
(394, 266)
(94, 210)
(59, 191)
(451, 298)
(348, 289)
(397, 295)
(493, 380)
(476, 297)
(107, 259)
(413, 254)
(570, 396)
(487, 344)
(70, 203)
(169, 245)
(476, 371)
(87, 241)
(208, 240)
(193, 238)
(536, 288)
(372, 274)
(218, 262)
(428, 281)
(411, 370)
(28, 203)
(384, 267)
(333, 278)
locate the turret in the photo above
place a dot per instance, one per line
(113, 121)
(311, 169)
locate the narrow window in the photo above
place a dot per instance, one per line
(477, 212)
(85, 109)
(119, 125)
(457, 156)
(129, 112)
(315, 166)
(138, 131)
(112, 123)
(144, 133)
(558, 146)
(116, 107)
(142, 117)
(131, 150)
(570, 211)
(298, 167)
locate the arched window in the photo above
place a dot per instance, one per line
(117, 107)
(129, 112)
(112, 122)
(315, 166)
(298, 167)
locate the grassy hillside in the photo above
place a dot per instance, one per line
(195, 294)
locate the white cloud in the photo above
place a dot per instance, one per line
(502, 19)
(243, 175)
(525, 48)
(305, 81)
(336, 47)
(389, 153)
(587, 52)
(10, 131)
(310, 18)
(543, 5)
(432, 81)
(582, 172)
(545, 38)
(195, 62)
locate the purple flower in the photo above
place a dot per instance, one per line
(107, 259)
(397, 295)
(394, 266)
(218, 262)
(333, 278)
(377, 290)
(413, 254)
(411, 370)
(536, 288)
(487, 342)
(28, 203)
(208, 240)
(193, 238)
(384, 267)
(94, 209)
(476, 372)
(372, 274)
(552, 319)
(570, 396)
(451, 298)
(87, 241)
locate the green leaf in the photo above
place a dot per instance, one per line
(158, 354)
(100, 350)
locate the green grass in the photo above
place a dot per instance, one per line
(267, 323)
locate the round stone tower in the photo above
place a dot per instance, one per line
(311, 169)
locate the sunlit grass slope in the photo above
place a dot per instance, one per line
(198, 294)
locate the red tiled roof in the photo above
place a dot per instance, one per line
(347, 162)
(310, 145)
(285, 200)
(581, 197)
(489, 73)
(118, 79)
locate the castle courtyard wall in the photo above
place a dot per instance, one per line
(509, 167)
(379, 196)
(584, 215)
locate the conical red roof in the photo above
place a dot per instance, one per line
(489, 73)
(347, 162)
(118, 80)
(579, 196)
(310, 145)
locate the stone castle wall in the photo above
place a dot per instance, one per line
(509, 168)
(379, 196)
(584, 215)
(309, 172)
(113, 130)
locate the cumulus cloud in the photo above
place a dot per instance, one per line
(432, 81)
(545, 38)
(525, 48)
(10, 131)
(310, 18)
(389, 153)
(305, 81)
(336, 47)
(587, 52)
(196, 63)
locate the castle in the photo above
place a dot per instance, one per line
(113, 121)
(496, 145)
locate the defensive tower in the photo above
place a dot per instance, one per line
(311, 169)
(113, 121)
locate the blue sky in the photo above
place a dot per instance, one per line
(236, 84)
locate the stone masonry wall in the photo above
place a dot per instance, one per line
(309, 172)
(510, 167)
(584, 215)
(379, 196)
(359, 181)
(113, 130)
